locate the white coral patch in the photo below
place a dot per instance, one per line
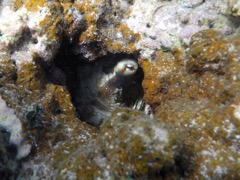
(33, 18)
(20, 28)
(11, 27)
(236, 111)
(10, 122)
(172, 23)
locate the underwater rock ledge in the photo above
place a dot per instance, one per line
(190, 54)
(130, 144)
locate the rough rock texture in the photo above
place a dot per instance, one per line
(201, 97)
(189, 52)
(13, 125)
(8, 165)
(29, 41)
(170, 24)
(130, 144)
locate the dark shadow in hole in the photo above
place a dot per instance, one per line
(81, 77)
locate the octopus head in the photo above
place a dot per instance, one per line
(126, 67)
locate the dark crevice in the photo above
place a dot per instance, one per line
(76, 72)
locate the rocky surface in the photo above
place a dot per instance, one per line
(8, 165)
(189, 52)
(201, 98)
(130, 144)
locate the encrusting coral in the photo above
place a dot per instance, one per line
(190, 61)
(201, 98)
(129, 144)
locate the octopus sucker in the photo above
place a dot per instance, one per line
(105, 84)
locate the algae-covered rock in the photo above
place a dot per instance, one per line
(212, 140)
(201, 98)
(191, 82)
(105, 29)
(130, 144)
(209, 52)
(170, 24)
(162, 77)
(30, 35)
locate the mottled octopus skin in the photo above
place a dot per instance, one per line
(106, 84)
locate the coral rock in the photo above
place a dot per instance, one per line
(129, 144)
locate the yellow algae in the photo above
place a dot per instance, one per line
(32, 5)
(65, 1)
(90, 18)
(124, 29)
(89, 34)
(30, 76)
(66, 6)
(159, 75)
(125, 44)
(88, 7)
(68, 18)
(51, 24)
(18, 4)
(59, 96)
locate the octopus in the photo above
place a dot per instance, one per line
(105, 84)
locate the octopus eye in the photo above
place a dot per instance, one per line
(130, 67)
(126, 67)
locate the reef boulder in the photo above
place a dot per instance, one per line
(130, 144)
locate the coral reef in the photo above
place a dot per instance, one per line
(189, 51)
(130, 144)
(105, 32)
(200, 97)
(169, 24)
(44, 111)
